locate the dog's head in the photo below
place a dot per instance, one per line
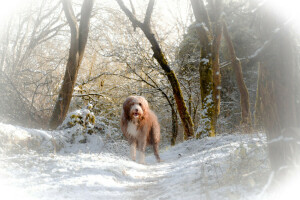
(135, 107)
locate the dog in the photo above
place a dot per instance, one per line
(140, 126)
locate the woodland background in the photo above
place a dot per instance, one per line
(236, 62)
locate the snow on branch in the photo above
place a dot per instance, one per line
(259, 53)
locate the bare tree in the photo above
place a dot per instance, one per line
(161, 59)
(79, 35)
(27, 67)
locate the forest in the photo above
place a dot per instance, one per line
(222, 76)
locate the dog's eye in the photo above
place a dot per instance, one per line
(140, 104)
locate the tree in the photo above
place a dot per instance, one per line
(161, 59)
(244, 95)
(207, 87)
(27, 67)
(278, 90)
(79, 35)
(215, 13)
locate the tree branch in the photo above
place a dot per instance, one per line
(129, 14)
(86, 11)
(259, 53)
(70, 15)
(149, 13)
(133, 13)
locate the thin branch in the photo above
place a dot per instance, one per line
(71, 18)
(132, 7)
(87, 95)
(133, 13)
(149, 13)
(129, 14)
(259, 53)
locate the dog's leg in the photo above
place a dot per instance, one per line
(142, 157)
(155, 148)
(133, 150)
(142, 148)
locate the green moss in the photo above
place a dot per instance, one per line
(74, 116)
(92, 119)
(208, 116)
(71, 124)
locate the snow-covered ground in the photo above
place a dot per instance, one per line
(38, 164)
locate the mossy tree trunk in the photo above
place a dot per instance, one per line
(216, 8)
(246, 121)
(160, 58)
(174, 127)
(207, 87)
(79, 35)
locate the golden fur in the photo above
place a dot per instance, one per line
(140, 126)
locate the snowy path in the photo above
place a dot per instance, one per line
(228, 167)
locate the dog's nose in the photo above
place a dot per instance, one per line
(136, 110)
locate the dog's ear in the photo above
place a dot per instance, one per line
(144, 102)
(126, 107)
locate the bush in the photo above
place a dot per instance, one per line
(80, 123)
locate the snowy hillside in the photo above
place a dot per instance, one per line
(224, 167)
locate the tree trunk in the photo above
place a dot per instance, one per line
(174, 127)
(244, 95)
(207, 87)
(278, 98)
(279, 86)
(258, 104)
(160, 58)
(77, 46)
(216, 66)
(216, 8)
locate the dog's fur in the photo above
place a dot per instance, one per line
(140, 126)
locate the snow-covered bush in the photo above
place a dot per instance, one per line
(17, 139)
(83, 117)
(107, 128)
(80, 123)
(248, 164)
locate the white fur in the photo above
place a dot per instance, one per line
(141, 157)
(133, 151)
(132, 129)
(136, 107)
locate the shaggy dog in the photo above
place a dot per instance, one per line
(140, 126)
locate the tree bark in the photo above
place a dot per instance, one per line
(160, 58)
(279, 87)
(174, 127)
(207, 87)
(216, 65)
(244, 95)
(79, 35)
(217, 30)
(258, 104)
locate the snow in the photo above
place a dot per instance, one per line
(202, 25)
(39, 164)
(204, 61)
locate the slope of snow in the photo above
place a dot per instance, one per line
(37, 164)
